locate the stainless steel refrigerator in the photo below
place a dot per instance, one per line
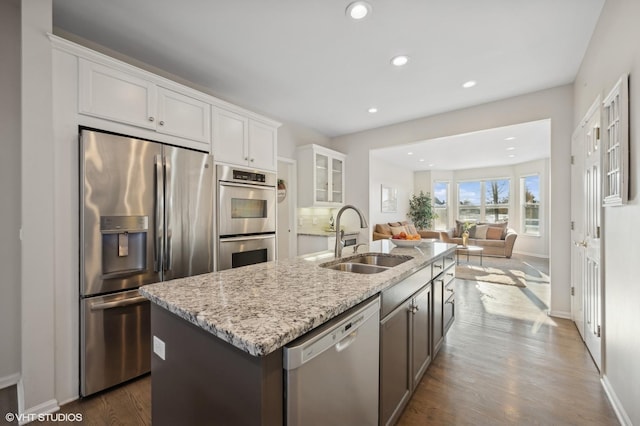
(146, 215)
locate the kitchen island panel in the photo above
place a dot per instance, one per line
(203, 380)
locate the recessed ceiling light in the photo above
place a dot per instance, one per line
(399, 60)
(512, 155)
(469, 84)
(373, 110)
(510, 138)
(511, 148)
(409, 153)
(421, 160)
(431, 165)
(358, 10)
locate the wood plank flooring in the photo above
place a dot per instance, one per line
(505, 362)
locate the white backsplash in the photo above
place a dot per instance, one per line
(315, 219)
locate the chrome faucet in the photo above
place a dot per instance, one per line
(339, 233)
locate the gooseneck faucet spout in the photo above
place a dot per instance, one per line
(339, 242)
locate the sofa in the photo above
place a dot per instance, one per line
(386, 230)
(497, 239)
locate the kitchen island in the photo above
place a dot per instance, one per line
(218, 337)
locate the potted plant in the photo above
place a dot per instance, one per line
(421, 210)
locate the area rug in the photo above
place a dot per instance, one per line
(499, 271)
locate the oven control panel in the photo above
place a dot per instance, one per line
(249, 176)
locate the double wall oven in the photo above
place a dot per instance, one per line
(246, 216)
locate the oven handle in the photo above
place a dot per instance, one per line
(247, 237)
(247, 185)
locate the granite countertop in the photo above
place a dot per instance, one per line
(260, 308)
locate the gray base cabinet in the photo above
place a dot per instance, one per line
(416, 314)
(443, 302)
(405, 350)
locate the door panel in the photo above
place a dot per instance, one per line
(586, 212)
(593, 209)
(189, 187)
(117, 181)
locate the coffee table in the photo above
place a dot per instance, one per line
(468, 249)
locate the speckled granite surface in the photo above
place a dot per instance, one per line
(260, 308)
(326, 233)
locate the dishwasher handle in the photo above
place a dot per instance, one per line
(347, 341)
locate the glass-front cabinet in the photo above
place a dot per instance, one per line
(320, 176)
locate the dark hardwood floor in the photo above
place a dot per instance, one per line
(505, 362)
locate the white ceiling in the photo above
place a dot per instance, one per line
(303, 61)
(501, 146)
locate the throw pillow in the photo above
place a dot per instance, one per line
(383, 228)
(480, 232)
(411, 229)
(396, 230)
(494, 233)
(460, 228)
(472, 231)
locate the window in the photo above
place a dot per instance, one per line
(484, 201)
(530, 190)
(441, 205)
(496, 208)
(470, 201)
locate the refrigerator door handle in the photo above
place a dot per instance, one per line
(167, 215)
(159, 206)
(118, 304)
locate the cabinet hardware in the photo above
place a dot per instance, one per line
(449, 274)
(252, 160)
(151, 119)
(598, 333)
(450, 290)
(437, 266)
(161, 123)
(246, 158)
(573, 291)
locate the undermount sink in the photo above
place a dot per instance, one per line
(367, 263)
(380, 260)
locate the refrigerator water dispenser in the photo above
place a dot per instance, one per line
(124, 245)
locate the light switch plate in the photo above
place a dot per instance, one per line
(158, 347)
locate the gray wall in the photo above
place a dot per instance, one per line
(555, 104)
(10, 189)
(614, 50)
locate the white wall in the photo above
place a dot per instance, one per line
(384, 173)
(38, 267)
(291, 135)
(10, 192)
(614, 50)
(555, 104)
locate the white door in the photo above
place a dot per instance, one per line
(286, 228)
(586, 215)
(577, 228)
(593, 208)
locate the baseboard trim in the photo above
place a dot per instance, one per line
(46, 407)
(560, 314)
(9, 380)
(623, 418)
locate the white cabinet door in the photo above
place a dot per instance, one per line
(321, 174)
(115, 95)
(238, 139)
(262, 145)
(183, 116)
(230, 137)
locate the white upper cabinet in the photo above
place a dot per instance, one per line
(183, 116)
(244, 141)
(320, 177)
(115, 95)
(127, 98)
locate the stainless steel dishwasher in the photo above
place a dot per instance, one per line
(331, 374)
